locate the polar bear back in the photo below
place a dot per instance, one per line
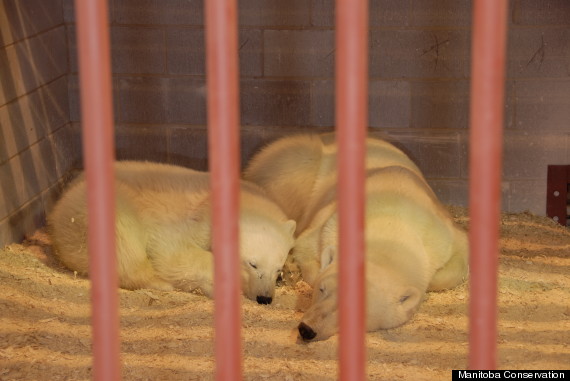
(379, 153)
(286, 169)
(299, 171)
(403, 212)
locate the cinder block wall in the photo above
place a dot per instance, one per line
(419, 83)
(36, 144)
(419, 89)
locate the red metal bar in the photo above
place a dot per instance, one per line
(223, 135)
(351, 119)
(486, 118)
(98, 148)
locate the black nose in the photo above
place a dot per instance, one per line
(264, 299)
(306, 332)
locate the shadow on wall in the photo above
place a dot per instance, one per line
(37, 145)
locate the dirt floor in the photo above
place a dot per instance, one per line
(45, 328)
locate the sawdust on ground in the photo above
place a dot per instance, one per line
(45, 331)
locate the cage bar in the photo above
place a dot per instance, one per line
(486, 123)
(98, 148)
(351, 119)
(223, 142)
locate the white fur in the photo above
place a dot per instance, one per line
(163, 230)
(297, 171)
(412, 245)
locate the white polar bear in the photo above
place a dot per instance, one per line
(412, 245)
(163, 231)
(296, 170)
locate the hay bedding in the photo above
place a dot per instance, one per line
(45, 328)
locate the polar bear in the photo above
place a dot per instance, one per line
(412, 246)
(296, 170)
(412, 243)
(163, 231)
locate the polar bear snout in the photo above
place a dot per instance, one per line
(259, 289)
(306, 332)
(264, 299)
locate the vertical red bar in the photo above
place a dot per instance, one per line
(486, 118)
(98, 148)
(223, 136)
(351, 119)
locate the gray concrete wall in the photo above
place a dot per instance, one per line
(36, 144)
(419, 89)
(419, 83)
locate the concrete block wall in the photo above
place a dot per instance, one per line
(37, 148)
(158, 56)
(419, 87)
(419, 83)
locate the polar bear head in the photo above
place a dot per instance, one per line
(391, 301)
(264, 246)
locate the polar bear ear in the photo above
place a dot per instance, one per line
(291, 226)
(328, 255)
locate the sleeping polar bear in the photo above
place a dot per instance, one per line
(296, 170)
(412, 245)
(163, 231)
